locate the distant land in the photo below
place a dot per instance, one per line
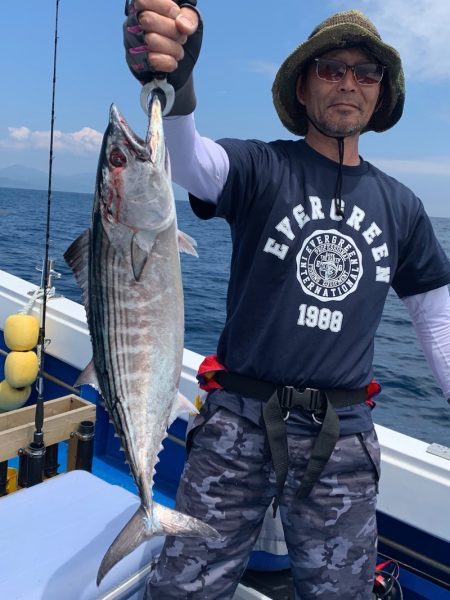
(19, 176)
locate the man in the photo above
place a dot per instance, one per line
(319, 236)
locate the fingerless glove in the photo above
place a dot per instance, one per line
(181, 79)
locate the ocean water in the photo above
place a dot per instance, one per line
(411, 401)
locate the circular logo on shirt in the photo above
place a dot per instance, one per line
(329, 265)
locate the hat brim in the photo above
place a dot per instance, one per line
(293, 114)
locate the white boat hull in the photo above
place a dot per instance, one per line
(415, 481)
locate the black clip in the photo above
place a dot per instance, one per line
(316, 399)
(286, 397)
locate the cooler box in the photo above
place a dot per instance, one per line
(54, 535)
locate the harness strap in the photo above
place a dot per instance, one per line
(322, 450)
(278, 401)
(277, 438)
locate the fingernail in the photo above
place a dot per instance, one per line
(174, 12)
(185, 20)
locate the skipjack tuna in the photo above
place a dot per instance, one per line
(127, 265)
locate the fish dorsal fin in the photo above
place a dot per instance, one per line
(187, 244)
(77, 257)
(140, 253)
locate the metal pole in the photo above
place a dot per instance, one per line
(85, 446)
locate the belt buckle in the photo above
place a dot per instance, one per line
(285, 399)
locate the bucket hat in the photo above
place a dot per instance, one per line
(344, 29)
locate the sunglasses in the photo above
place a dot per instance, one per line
(333, 70)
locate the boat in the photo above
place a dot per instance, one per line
(54, 534)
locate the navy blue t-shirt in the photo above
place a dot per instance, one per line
(307, 288)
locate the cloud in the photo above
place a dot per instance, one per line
(263, 67)
(77, 142)
(439, 166)
(418, 29)
(19, 133)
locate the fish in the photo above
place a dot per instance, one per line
(127, 265)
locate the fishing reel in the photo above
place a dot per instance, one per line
(386, 585)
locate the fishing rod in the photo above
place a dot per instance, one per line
(33, 457)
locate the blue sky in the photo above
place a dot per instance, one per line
(244, 43)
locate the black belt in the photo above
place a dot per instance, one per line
(278, 401)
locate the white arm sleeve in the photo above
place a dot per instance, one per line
(430, 314)
(199, 164)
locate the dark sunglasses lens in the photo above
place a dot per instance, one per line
(330, 70)
(368, 74)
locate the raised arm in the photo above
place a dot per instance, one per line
(165, 37)
(199, 164)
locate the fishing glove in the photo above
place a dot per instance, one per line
(181, 79)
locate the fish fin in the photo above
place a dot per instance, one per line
(173, 522)
(185, 405)
(180, 406)
(143, 526)
(77, 258)
(88, 377)
(187, 244)
(139, 256)
(129, 538)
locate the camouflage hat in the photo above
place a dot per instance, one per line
(344, 29)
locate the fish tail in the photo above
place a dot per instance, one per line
(173, 522)
(131, 536)
(142, 526)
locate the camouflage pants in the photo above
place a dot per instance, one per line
(228, 482)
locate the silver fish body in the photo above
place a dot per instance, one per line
(128, 267)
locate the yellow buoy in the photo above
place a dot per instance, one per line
(21, 368)
(12, 398)
(21, 332)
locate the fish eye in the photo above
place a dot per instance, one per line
(117, 158)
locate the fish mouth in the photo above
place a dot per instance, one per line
(153, 147)
(119, 125)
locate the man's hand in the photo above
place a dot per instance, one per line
(166, 37)
(155, 34)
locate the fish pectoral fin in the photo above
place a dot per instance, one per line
(141, 248)
(88, 377)
(187, 244)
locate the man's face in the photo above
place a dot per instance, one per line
(339, 108)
